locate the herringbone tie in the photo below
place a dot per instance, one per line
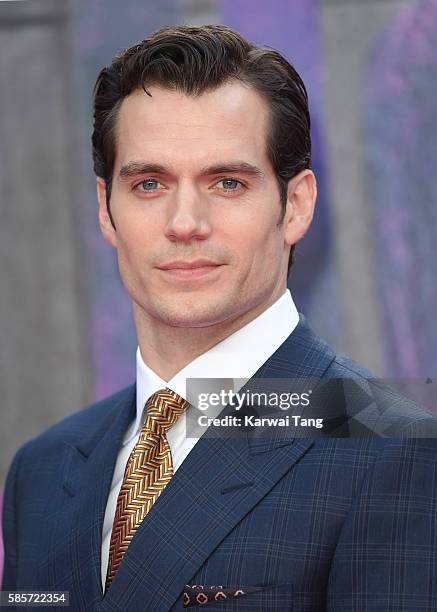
(148, 471)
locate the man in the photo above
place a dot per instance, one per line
(202, 154)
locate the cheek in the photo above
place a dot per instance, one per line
(259, 242)
(131, 243)
(136, 237)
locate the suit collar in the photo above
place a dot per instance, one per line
(303, 354)
(118, 415)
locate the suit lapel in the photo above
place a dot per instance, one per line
(75, 535)
(219, 482)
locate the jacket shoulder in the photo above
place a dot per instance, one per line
(379, 406)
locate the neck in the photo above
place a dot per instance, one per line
(167, 349)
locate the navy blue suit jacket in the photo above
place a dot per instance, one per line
(302, 524)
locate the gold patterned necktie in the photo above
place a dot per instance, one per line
(148, 471)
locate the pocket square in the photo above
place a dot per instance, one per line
(199, 594)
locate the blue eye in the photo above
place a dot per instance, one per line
(230, 184)
(148, 184)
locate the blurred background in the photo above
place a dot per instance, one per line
(365, 274)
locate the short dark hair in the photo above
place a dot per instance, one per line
(195, 59)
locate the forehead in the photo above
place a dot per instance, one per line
(171, 127)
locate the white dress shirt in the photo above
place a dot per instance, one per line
(238, 356)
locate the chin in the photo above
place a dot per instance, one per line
(189, 321)
(187, 315)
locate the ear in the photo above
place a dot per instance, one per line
(106, 226)
(301, 200)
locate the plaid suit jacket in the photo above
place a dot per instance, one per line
(254, 523)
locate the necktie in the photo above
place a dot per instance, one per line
(148, 471)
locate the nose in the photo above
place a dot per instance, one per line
(188, 216)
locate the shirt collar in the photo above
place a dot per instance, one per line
(239, 356)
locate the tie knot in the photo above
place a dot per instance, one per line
(164, 408)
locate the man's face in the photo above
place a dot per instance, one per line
(192, 185)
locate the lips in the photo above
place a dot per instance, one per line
(185, 271)
(189, 265)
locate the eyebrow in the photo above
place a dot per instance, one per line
(134, 169)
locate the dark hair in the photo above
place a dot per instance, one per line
(197, 59)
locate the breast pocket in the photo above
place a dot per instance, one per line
(215, 598)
